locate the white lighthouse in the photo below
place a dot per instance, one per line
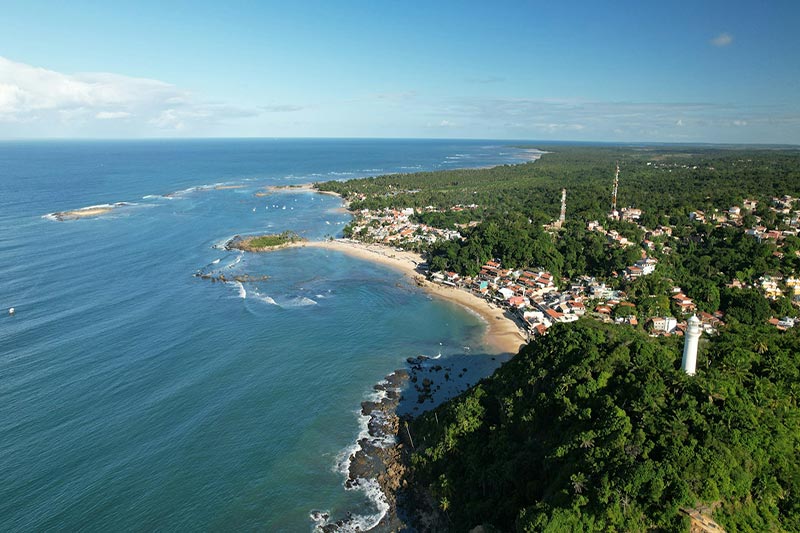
(692, 338)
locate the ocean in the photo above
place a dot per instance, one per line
(135, 396)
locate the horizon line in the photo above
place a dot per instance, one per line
(461, 139)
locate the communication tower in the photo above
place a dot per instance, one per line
(614, 193)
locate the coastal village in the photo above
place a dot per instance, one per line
(534, 299)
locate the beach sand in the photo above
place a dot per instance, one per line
(503, 334)
(300, 187)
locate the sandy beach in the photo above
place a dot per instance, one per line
(502, 335)
(301, 187)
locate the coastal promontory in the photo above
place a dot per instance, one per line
(263, 243)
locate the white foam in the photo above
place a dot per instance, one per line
(242, 291)
(264, 298)
(369, 487)
(215, 261)
(373, 493)
(180, 194)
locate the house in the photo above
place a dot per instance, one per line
(505, 293)
(665, 324)
(770, 287)
(452, 277)
(710, 322)
(633, 272)
(647, 265)
(554, 315)
(684, 303)
(750, 205)
(577, 307)
(518, 301)
(539, 330)
(630, 213)
(782, 324)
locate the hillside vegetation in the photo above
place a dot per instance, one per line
(595, 428)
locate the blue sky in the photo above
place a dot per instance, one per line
(702, 71)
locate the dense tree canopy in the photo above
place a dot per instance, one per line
(594, 427)
(666, 182)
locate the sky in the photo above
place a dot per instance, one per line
(634, 71)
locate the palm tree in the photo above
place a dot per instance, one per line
(578, 482)
(760, 347)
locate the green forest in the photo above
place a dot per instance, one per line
(666, 182)
(595, 428)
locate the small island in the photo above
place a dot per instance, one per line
(263, 243)
(85, 212)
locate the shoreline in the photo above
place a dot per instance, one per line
(502, 332)
(300, 187)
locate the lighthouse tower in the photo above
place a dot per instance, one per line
(690, 345)
(563, 214)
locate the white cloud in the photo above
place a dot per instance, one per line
(615, 120)
(111, 115)
(81, 102)
(723, 39)
(282, 108)
(556, 126)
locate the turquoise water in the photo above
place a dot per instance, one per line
(136, 396)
